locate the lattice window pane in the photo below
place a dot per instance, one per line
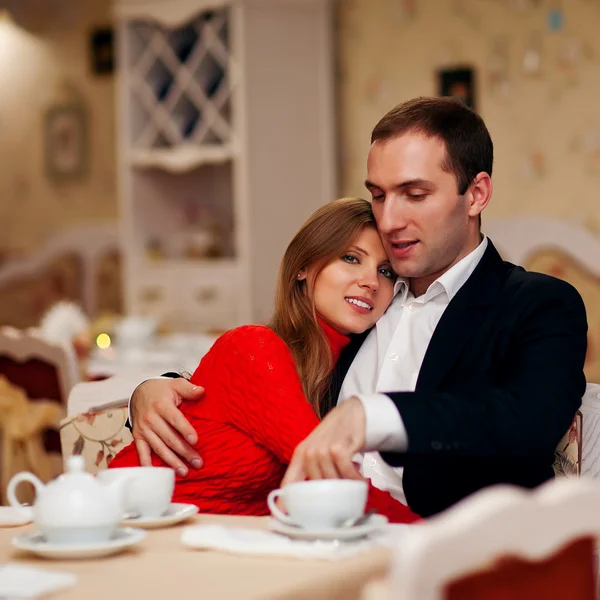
(181, 83)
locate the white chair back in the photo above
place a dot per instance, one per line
(536, 534)
(590, 447)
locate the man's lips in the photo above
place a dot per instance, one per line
(403, 243)
(403, 248)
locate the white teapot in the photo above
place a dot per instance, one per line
(75, 508)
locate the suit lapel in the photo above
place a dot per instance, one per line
(462, 318)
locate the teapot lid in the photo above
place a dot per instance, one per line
(75, 464)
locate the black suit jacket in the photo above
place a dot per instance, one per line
(499, 386)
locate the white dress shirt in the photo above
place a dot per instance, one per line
(390, 360)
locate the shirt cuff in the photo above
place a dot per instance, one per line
(132, 393)
(385, 430)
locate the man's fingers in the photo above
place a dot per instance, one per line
(327, 466)
(342, 459)
(163, 452)
(174, 417)
(187, 390)
(311, 464)
(295, 471)
(174, 441)
(143, 450)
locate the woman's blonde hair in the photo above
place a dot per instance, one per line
(323, 238)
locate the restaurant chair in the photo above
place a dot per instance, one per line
(44, 370)
(504, 542)
(97, 436)
(590, 454)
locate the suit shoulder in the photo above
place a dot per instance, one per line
(542, 286)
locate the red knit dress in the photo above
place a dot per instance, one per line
(251, 418)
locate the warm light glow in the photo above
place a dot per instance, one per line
(6, 16)
(103, 341)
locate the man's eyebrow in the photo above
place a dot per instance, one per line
(418, 182)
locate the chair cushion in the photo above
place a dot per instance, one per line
(97, 436)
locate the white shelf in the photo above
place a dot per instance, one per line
(182, 158)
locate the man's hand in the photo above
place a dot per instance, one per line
(159, 425)
(327, 452)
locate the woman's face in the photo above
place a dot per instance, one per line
(354, 290)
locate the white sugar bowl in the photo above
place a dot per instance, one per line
(75, 508)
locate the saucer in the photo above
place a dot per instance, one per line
(374, 524)
(36, 543)
(176, 513)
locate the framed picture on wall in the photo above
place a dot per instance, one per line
(102, 53)
(66, 142)
(458, 83)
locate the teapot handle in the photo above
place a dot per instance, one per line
(12, 487)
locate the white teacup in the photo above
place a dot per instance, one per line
(321, 503)
(149, 491)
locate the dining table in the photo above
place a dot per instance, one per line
(161, 567)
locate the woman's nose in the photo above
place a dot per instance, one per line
(370, 280)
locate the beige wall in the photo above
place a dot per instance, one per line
(546, 130)
(35, 65)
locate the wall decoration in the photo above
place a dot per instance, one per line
(555, 17)
(532, 56)
(66, 141)
(458, 83)
(498, 68)
(102, 54)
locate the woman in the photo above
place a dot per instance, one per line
(263, 385)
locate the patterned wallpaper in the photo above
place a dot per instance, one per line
(536, 66)
(44, 62)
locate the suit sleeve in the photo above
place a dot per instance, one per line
(261, 390)
(532, 404)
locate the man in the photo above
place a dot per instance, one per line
(475, 371)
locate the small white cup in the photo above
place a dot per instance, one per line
(321, 503)
(149, 491)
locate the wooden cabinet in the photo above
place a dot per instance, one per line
(226, 144)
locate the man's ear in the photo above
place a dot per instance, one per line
(480, 192)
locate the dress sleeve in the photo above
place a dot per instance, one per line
(260, 389)
(388, 506)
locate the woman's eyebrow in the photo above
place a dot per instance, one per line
(358, 249)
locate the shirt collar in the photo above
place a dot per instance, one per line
(451, 281)
(455, 277)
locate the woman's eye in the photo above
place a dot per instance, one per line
(386, 272)
(349, 258)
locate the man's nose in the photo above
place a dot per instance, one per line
(391, 216)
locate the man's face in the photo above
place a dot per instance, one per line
(425, 225)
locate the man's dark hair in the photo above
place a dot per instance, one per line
(469, 147)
